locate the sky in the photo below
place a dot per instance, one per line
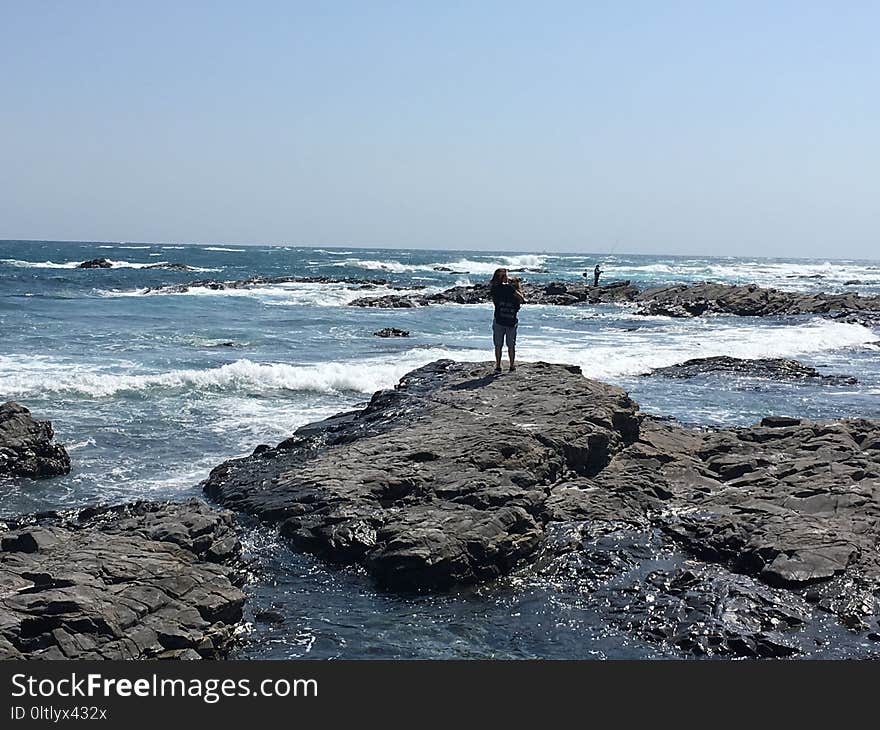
(715, 128)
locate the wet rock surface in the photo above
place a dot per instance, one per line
(778, 369)
(140, 581)
(440, 481)
(391, 332)
(734, 542)
(26, 445)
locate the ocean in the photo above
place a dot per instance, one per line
(150, 390)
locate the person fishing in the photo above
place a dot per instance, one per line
(596, 272)
(507, 296)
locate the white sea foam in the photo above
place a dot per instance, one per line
(40, 264)
(461, 266)
(220, 248)
(365, 376)
(612, 353)
(75, 264)
(289, 294)
(794, 276)
(605, 355)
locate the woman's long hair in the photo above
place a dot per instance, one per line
(498, 277)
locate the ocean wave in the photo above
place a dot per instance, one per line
(286, 294)
(227, 250)
(461, 266)
(365, 376)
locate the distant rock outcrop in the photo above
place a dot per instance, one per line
(391, 332)
(680, 300)
(95, 264)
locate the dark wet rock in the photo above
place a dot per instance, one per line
(391, 332)
(439, 481)
(95, 264)
(676, 310)
(769, 368)
(172, 267)
(853, 282)
(733, 542)
(26, 445)
(269, 616)
(708, 611)
(864, 318)
(561, 293)
(144, 580)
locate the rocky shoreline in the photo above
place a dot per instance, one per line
(458, 477)
(739, 542)
(681, 300)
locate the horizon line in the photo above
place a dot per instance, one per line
(543, 252)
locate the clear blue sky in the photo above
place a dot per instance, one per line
(729, 128)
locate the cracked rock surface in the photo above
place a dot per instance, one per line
(139, 581)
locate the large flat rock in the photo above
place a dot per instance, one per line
(439, 481)
(140, 581)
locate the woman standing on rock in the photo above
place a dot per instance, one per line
(507, 296)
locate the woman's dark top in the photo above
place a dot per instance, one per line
(506, 304)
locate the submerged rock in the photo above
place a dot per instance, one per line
(770, 368)
(140, 581)
(26, 445)
(95, 264)
(172, 267)
(391, 332)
